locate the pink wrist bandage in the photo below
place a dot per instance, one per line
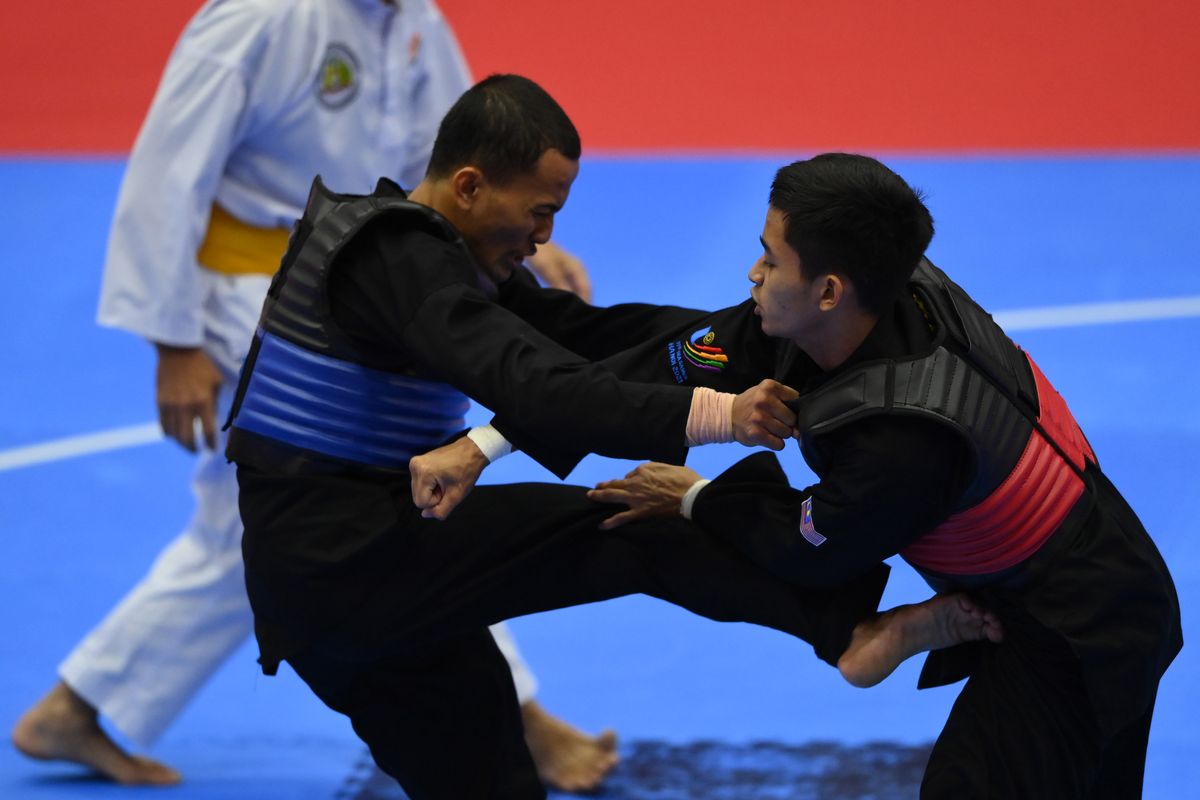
(710, 419)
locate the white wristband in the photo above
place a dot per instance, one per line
(685, 507)
(710, 418)
(490, 442)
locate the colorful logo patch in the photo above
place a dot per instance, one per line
(699, 351)
(807, 529)
(337, 78)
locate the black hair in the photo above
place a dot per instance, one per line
(502, 125)
(851, 215)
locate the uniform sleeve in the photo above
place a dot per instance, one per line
(724, 350)
(415, 294)
(152, 286)
(591, 331)
(886, 482)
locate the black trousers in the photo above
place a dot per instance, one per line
(442, 720)
(1023, 727)
(1061, 709)
(416, 670)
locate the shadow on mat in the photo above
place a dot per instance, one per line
(708, 770)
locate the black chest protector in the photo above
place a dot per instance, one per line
(1028, 452)
(312, 398)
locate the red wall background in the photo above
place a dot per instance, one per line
(926, 75)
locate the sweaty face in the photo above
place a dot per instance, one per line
(785, 298)
(509, 220)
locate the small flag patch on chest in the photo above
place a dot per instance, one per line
(807, 530)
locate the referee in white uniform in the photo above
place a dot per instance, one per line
(257, 98)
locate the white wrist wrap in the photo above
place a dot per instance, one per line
(490, 442)
(710, 419)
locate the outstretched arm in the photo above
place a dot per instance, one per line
(885, 482)
(651, 491)
(757, 417)
(594, 332)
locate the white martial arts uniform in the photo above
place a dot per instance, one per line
(257, 98)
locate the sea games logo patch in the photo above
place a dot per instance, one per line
(699, 350)
(337, 79)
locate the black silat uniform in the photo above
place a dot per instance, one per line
(1061, 708)
(384, 613)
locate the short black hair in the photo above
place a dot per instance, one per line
(849, 214)
(502, 125)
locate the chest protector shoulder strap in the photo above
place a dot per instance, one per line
(297, 306)
(308, 393)
(1028, 452)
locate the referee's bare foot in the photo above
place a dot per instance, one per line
(63, 727)
(567, 759)
(880, 644)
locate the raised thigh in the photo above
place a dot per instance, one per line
(523, 548)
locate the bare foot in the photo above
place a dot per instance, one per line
(63, 727)
(567, 759)
(880, 644)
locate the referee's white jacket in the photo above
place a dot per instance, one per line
(257, 98)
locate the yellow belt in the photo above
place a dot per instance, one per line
(237, 248)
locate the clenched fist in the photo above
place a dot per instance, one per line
(761, 416)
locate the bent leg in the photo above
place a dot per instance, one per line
(1021, 727)
(442, 719)
(522, 548)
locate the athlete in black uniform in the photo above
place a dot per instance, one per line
(382, 317)
(935, 437)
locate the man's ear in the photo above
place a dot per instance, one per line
(834, 289)
(467, 183)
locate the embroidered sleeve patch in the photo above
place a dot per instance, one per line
(700, 351)
(807, 529)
